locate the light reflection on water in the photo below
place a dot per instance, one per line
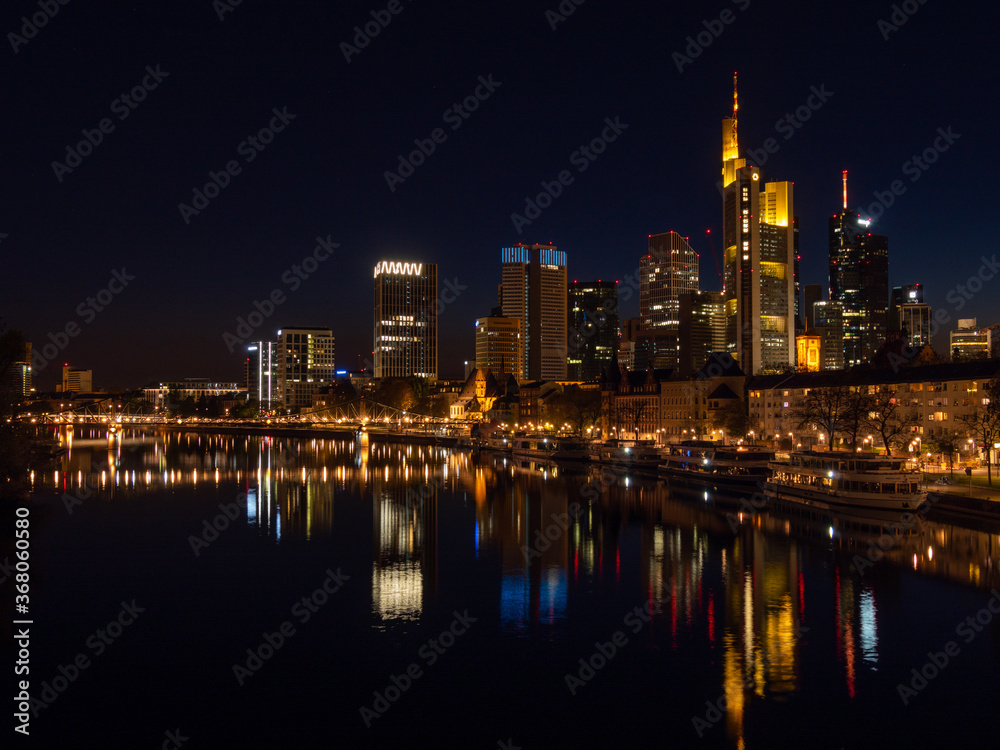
(739, 587)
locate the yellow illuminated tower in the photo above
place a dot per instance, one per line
(758, 237)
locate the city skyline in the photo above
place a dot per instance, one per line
(138, 263)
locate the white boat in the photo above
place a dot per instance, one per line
(499, 443)
(551, 448)
(725, 467)
(846, 480)
(628, 454)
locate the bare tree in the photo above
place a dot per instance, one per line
(630, 414)
(855, 415)
(887, 418)
(947, 443)
(984, 422)
(823, 408)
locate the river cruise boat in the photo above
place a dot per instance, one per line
(551, 448)
(846, 480)
(719, 466)
(627, 454)
(498, 443)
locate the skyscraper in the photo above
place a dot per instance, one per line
(902, 295)
(668, 269)
(592, 338)
(533, 289)
(813, 293)
(828, 319)
(406, 300)
(262, 374)
(859, 278)
(759, 241)
(304, 364)
(702, 329)
(499, 345)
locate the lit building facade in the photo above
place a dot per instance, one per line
(915, 319)
(262, 374)
(304, 364)
(668, 269)
(592, 337)
(17, 380)
(859, 278)
(77, 380)
(406, 331)
(499, 346)
(194, 388)
(702, 330)
(533, 289)
(968, 341)
(902, 295)
(828, 322)
(759, 243)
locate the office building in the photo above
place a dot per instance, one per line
(859, 278)
(533, 289)
(17, 380)
(702, 330)
(498, 346)
(406, 314)
(262, 374)
(668, 269)
(901, 295)
(77, 380)
(304, 364)
(915, 321)
(969, 341)
(828, 323)
(758, 230)
(592, 337)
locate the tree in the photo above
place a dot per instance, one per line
(887, 418)
(855, 415)
(984, 422)
(396, 392)
(630, 413)
(733, 419)
(580, 408)
(947, 443)
(825, 409)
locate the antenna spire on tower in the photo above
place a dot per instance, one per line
(736, 106)
(845, 188)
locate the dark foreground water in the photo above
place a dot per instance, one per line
(380, 596)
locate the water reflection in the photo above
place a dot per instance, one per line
(735, 586)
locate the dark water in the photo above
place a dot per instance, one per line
(681, 608)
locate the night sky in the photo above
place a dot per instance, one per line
(216, 83)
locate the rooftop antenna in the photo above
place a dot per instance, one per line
(736, 106)
(845, 189)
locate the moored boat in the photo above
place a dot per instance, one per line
(628, 454)
(551, 448)
(846, 480)
(710, 464)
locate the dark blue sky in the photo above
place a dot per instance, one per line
(323, 175)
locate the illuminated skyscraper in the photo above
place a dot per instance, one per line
(406, 298)
(668, 269)
(533, 289)
(828, 318)
(499, 347)
(304, 364)
(859, 278)
(593, 328)
(758, 231)
(262, 373)
(702, 329)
